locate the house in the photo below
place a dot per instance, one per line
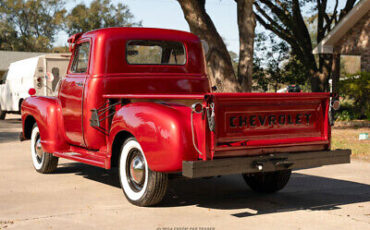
(349, 37)
(7, 57)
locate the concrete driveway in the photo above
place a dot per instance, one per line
(79, 196)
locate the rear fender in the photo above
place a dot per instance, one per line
(47, 113)
(163, 132)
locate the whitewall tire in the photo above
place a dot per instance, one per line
(141, 186)
(43, 162)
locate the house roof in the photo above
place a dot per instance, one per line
(7, 57)
(357, 12)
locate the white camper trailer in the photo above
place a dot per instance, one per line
(41, 73)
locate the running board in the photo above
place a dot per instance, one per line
(87, 158)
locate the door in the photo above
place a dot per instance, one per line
(72, 93)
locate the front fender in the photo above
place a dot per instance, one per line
(163, 132)
(47, 113)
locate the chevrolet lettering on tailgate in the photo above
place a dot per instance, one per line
(272, 120)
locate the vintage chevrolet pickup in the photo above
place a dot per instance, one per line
(139, 99)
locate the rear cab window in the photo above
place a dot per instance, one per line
(81, 58)
(150, 52)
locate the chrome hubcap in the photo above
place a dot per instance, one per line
(38, 149)
(137, 170)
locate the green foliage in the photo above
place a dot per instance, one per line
(60, 49)
(347, 111)
(100, 14)
(343, 116)
(30, 25)
(275, 64)
(295, 71)
(357, 88)
(259, 76)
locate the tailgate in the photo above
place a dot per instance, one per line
(270, 122)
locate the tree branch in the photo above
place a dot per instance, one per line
(281, 14)
(271, 21)
(280, 34)
(349, 5)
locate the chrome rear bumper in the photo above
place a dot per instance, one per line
(264, 163)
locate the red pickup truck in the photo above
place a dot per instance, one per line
(139, 99)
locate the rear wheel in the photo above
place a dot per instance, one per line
(43, 162)
(141, 186)
(2, 114)
(267, 182)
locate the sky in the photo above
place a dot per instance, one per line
(168, 14)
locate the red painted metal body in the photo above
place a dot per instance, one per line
(153, 105)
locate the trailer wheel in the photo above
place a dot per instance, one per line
(43, 162)
(267, 182)
(141, 186)
(20, 106)
(2, 114)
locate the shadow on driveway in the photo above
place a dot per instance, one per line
(9, 130)
(303, 192)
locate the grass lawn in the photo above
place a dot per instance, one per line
(347, 138)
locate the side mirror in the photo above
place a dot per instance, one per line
(71, 47)
(32, 92)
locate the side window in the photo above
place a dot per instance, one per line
(81, 58)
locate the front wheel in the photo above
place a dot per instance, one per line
(141, 186)
(267, 182)
(43, 162)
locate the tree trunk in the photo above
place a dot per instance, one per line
(218, 60)
(246, 24)
(335, 71)
(325, 68)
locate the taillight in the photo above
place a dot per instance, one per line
(197, 108)
(336, 105)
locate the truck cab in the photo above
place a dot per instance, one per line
(139, 99)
